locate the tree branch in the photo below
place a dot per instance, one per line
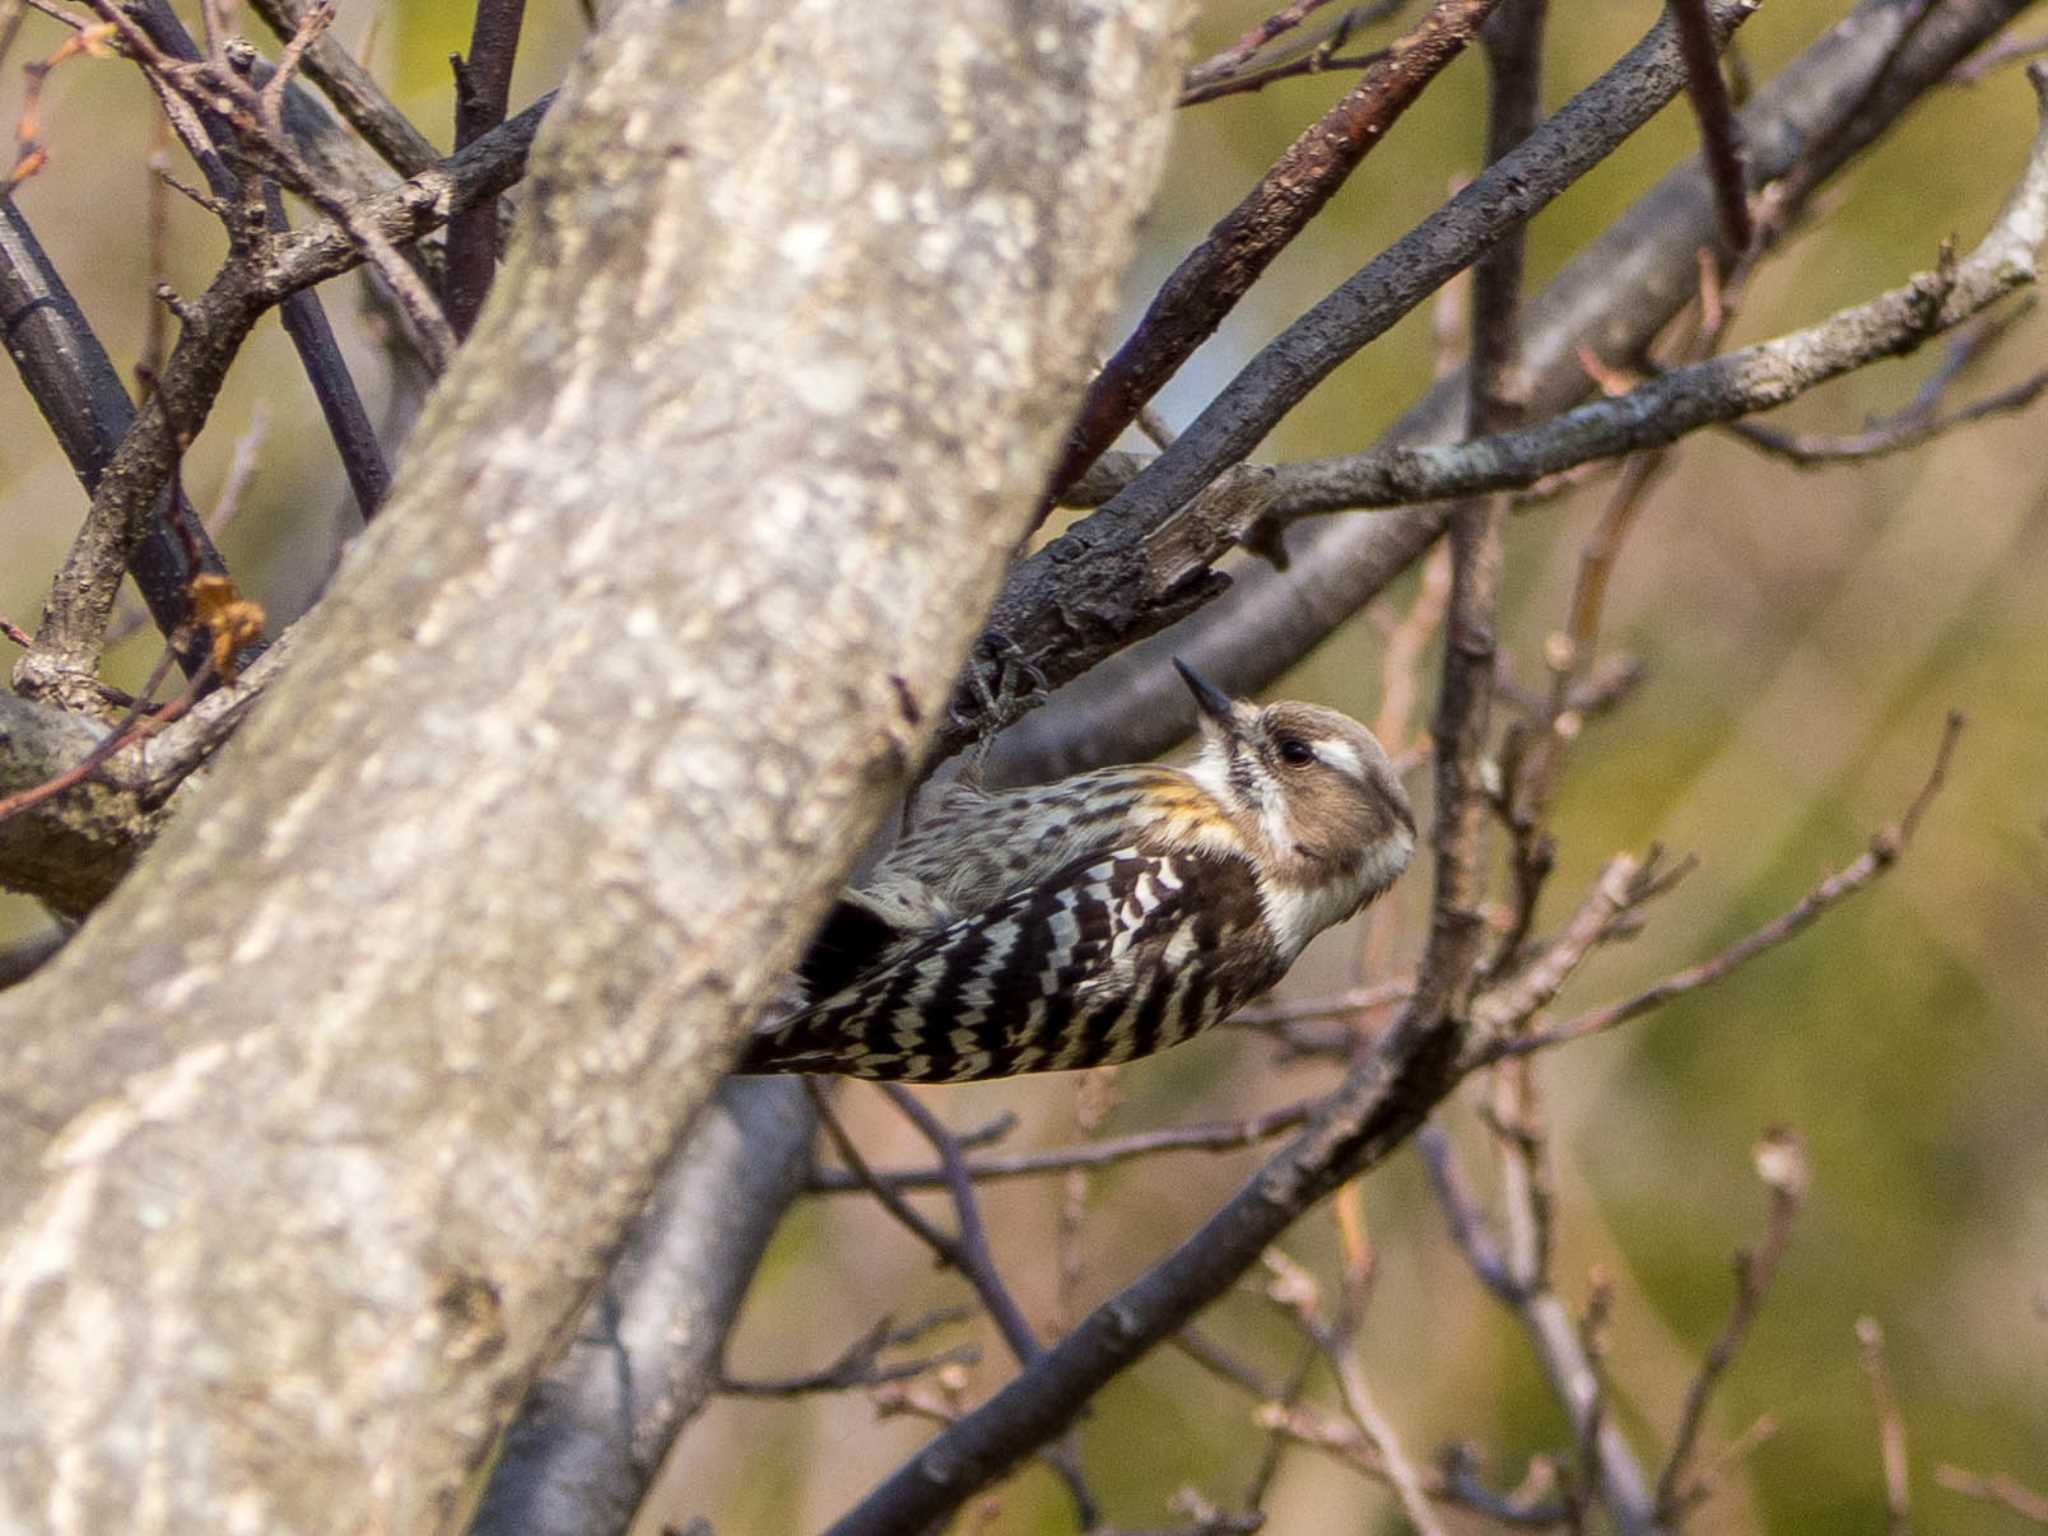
(77, 388)
(1829, 103)
(1145, 559)
(483, 90)
(353, 90)
(1209, 281)
(215, 325)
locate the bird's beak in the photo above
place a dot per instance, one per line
(1212, 701)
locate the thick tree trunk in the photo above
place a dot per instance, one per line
(314, 1138)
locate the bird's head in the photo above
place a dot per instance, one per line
(1311, 786)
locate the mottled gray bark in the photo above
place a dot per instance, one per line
(315, 1138)
(70, 850)
(599, 1422)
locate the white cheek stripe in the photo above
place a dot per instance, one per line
(1273, 819)
(1211, 771)
(1341, 755)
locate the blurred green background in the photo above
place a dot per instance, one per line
(1804, 634)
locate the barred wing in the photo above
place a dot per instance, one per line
(1114, 956)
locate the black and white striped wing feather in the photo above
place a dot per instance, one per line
(1115, 955)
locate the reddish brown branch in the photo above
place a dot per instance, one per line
(141, 720)
(483, 90)
(1223, 65)
(1207, 285)
(1720, 134)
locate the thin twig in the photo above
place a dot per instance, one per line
(241, 471)
(1781, 1163)
(1359, 1401)
(1323, 60)
(1277, 1441)
(1207, 285)
(892, 1202)
(1335, 1006)
(1809, 450)
(1512, 1001)
(12, 14)
(1594, 1441)
(1513, 1112)
(140, 721)
(1703, 1482)
(1528, 1505)
(1220, 1362)
(1517, 1272)
(859, 1365)
(1236, 71)
(1215, 1136)
(970, 1255)
(1891, 1425)
(1884, 851)
(1998, 1488)
(969, 1252)
(159, 227)
(1294, 1289)
(1720, 134)
(1095, 1099)
(1238, 54)
(1300, 1423)
(1461, 1210)
(353, 90)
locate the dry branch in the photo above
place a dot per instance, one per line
(1146, 558)
(1781, 1164)
(1209, 281)
(1883, 853)
(125, 497)
(1227, 1136)
(352, 89)
(1850, 86)
(1383, 1100)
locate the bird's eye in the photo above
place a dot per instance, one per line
(1295, 752)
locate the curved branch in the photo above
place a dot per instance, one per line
(1850, 86)
(1097, 587)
